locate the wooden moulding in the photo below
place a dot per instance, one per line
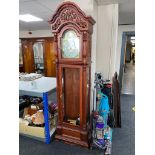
(73, 135)
(75, 72)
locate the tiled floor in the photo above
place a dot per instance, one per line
(128, 85)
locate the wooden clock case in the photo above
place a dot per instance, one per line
(73, 74)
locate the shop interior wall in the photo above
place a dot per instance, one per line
(107, 39)
(35, 34)
(104, 38)
(121, 29)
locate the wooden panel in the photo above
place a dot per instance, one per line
(21, 69)
(116, 100)
(72, 92)
(71, 132)
(28, 57)
(49, 59)
(70, 140)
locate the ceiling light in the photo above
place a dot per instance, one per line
(132, 38)
(29, 18)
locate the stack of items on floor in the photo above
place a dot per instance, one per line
(102, 134)
(102, 131)
(31, 115)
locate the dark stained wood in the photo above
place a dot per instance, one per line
(21, 69)
(37, 39)
(116, 100)
(28, 57)
(49, 59)
(72, 86)
(73, 93)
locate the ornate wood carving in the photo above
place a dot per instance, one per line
(69, 15)
(70, 12)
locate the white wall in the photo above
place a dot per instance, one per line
(37, 33)
(93, 51)
(106, 39)
(121, 29)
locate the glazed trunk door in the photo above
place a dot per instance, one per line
(49, 59)
(28, 57)
(71, 92)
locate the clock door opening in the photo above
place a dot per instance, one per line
(71, 95)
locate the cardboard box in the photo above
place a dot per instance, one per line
(31, 130)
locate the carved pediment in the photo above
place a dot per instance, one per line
(69, 13)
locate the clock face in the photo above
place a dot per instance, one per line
(70, 45)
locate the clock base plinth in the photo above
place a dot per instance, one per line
(74, 136)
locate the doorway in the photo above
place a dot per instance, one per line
(127, 64)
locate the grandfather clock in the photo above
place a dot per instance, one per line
(72, 31)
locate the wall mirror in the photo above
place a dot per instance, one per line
(38, 57)
(20, 54)
(20, 57)
(70, 45)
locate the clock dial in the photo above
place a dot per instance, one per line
(70, 45)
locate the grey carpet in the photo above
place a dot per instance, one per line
(33, 147)
(123, 142)
(124, 137)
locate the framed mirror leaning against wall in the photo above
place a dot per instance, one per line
(38, 56)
